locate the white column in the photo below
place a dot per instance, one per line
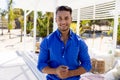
(78, 21)
(93, 36)
(34, 32)
(54, 22)
(24, 40)
(115, 25)
(115, 32)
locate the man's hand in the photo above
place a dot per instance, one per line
(62, 72)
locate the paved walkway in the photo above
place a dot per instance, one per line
(12, 67)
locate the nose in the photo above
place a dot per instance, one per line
(63, 22)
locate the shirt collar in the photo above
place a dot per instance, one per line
(58, 33)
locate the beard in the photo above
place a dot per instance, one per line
(64, 29)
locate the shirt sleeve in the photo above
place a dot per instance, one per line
(43, 55)
(84, 56)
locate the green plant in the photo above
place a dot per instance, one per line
(10, 17)
(9, 25)
(73, 26)
(109, 32)
(118, 35)
(44, 24)
(29, 27)
(3, 20)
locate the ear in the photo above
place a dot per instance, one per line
(71, 19)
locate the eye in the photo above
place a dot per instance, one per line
(59, 18)
(66, 18)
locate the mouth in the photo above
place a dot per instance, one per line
(63, 25)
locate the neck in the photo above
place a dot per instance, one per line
(65, 35)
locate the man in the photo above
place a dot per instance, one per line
(63, 55)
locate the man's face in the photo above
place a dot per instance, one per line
(63, 20)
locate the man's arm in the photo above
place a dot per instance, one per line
(76, 72)
(61, 71)
(49, 70)
(64, 73)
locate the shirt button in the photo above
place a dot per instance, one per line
(63, 56)
(62, 47)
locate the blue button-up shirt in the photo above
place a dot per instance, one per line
(53, 53)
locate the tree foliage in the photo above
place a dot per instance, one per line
(118, 34)
(44, 24)
(73, 26)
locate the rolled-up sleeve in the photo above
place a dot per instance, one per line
(84, 56)
(43, 55)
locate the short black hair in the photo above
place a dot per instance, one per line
(64, 8)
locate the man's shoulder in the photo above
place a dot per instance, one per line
(77, 37)
(51, 36)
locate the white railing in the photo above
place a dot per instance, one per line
(32, 64)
